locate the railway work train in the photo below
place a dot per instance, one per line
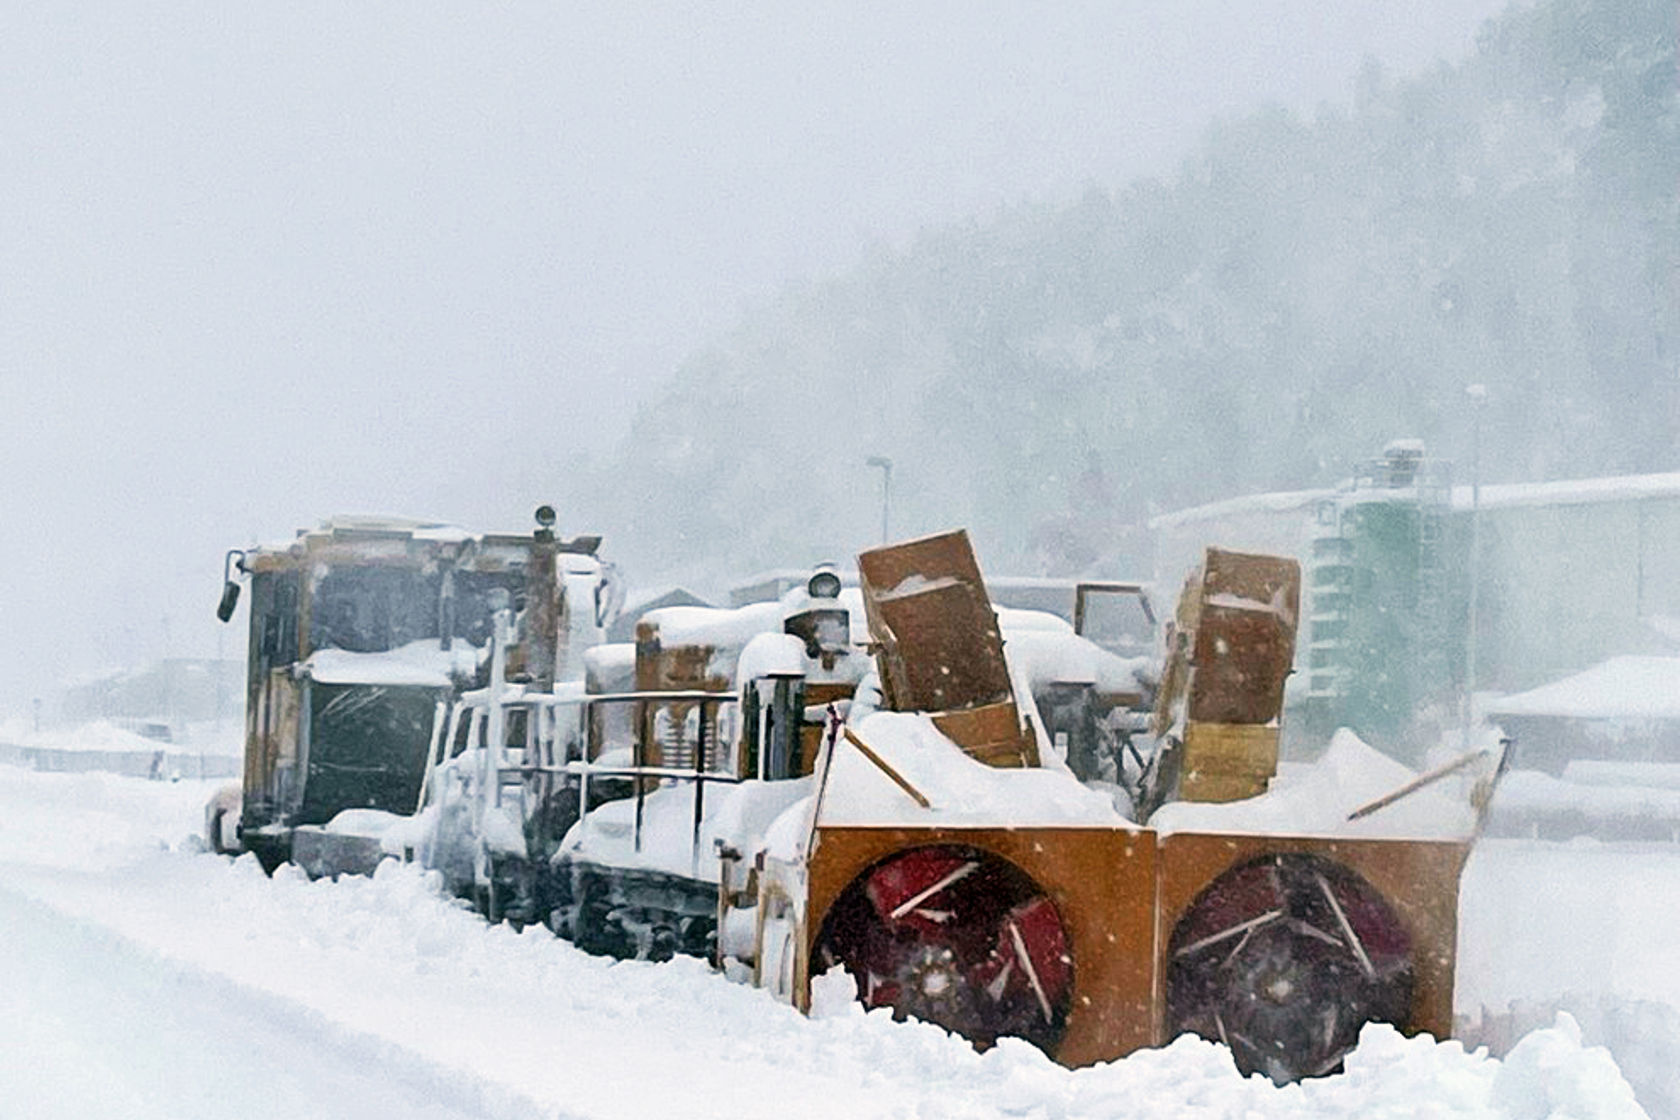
(980, 816)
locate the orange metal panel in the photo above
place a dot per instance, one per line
(1418, 878)
(1102, 883)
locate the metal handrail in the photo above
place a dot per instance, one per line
(589, 699)
(584, 769)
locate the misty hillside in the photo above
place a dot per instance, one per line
(1302, 292)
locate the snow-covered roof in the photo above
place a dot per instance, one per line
(611, 657)
(1629, 687)
(1044, 656)
(666, 594)
(1282, 501)
(100, 735)
(1622, 488)
(1529, 792)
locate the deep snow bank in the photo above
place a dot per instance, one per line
(388, 958)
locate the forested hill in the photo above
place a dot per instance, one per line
(1301, 292)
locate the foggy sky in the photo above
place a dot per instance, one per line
(264, 263)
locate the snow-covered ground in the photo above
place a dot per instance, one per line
(203, 750)
(143, 978)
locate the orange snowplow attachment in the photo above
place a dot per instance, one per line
(1249, 920)
(1100, 881)
(1127, 899)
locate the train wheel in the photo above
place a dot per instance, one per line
(1284, 959)
(955, 936)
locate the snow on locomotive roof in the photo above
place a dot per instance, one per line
(384, 523)
(735, 814)
(714, 626)
(611, 657)
(376, 525)
(1045, 657)
(769, 655)
(421, 664)
(1015, 619)
(734, 627)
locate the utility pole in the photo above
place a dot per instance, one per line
(885, 465)
(1478, 398)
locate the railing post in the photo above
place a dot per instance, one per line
(638, 757)
(699, 790)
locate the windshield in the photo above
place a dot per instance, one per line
(373, 609)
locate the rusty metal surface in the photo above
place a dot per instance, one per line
(991, 733)
(938, 647)
(818, 694)
(1246, 608)
(272, 734)
(660, 725)
(274, 770)
(1229, 650)
(1101, 881)
(543, 598)
(1227, 761)
(675, 668)
(928, 612)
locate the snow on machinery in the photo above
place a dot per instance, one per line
(643, 744)
(1222, 909)
(982, 835)
(361, 631)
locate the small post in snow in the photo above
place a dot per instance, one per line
(885, 465)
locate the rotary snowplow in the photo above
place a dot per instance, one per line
(1002, 828)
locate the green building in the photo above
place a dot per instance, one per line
(1570, 574)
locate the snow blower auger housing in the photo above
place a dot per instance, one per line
(956, 869)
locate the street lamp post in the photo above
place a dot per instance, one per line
(1478, 397)
(885, 464)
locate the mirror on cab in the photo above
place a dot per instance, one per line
(230, 586)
